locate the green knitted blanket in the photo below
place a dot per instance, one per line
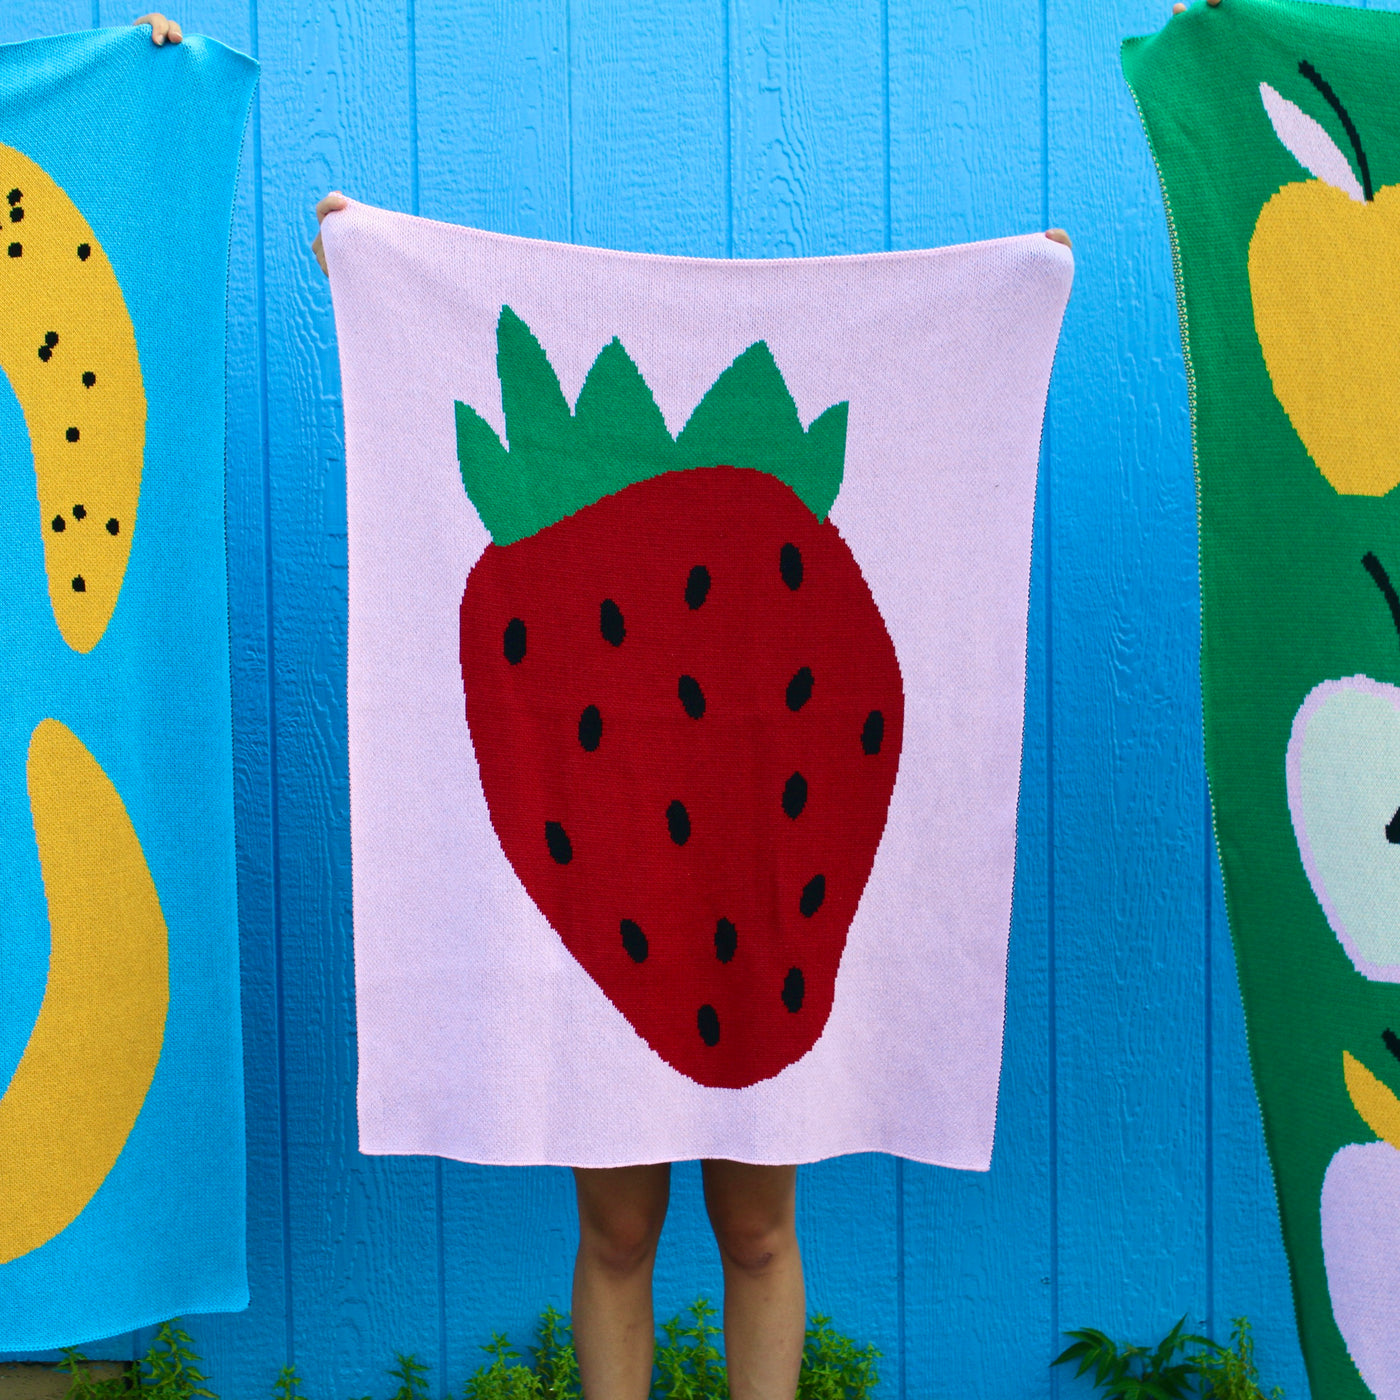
(1276, 130)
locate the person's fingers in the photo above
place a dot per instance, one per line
(160, 26)
(1058, 235)
(174, 35)
(333, 201)
(320, 252)
(1178, 8)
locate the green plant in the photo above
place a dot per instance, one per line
(83, 1385)
(287, 1386)
(411, 1375)
(834, 1367)
(1229, 1372)
(168, 1371)
(556, 1366)
(690, 1366)
(506, 1378)
(1182, 1366)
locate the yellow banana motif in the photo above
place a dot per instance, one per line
(1372, 1100)
(69, 350)
(92, 1054)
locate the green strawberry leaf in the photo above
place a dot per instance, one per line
(558, 462)
(749, 419)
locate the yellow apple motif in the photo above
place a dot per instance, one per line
(1324, 273)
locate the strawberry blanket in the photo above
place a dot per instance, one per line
(121, 1092)
(1277, 135)
(687, 649)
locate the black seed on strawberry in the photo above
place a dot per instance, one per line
(813, 892)
(50, 338)
(707, 1021)
(89, 379)
(59, 524)
(726, 940)
(80, 584)
(873, 735)
(678, 820)
(72, 435)
(590, 728)
(799, 690)
(14, 196)
(79, 512)
(634, 941)
(610, 623)
(794, 989)
(790, 566)
(16, 250)
(692, 697)
(557, 839)
(84, 251)
(795, 795)
(16, 215)
(113, 527)
(697, 586)
(514, 646)
(45, 353)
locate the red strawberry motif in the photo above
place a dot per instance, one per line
(687, 715)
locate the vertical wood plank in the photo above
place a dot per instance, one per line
(493, 142)
(966, 162)
(509, 1239)
(966, 142)
(493, 115)
(1128, 843)
(336, 108)
(648, 121)
(245, 1350)
(807, 99)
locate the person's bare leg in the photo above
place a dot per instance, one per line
(753, 1211)
(620, 1214)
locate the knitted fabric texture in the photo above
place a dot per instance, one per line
(121, 1097)
(1277, 137)
(687, 648)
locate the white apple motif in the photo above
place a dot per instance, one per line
(1343, 794)
(1361, 1248)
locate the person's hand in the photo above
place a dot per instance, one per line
(333, 201)
(1058, 235)
(1180, 9)
(161, 29)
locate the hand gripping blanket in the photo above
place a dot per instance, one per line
(1276, 129)
(121, 1097)
(687, 651)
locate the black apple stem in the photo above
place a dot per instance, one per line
(1376, 569)
(1335, 102)
(1392, 1042)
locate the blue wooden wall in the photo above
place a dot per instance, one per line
(1129, 1184)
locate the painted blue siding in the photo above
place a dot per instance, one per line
(1129, 1184)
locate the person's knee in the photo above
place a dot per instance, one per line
(620, 1241)
(754, 1244)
